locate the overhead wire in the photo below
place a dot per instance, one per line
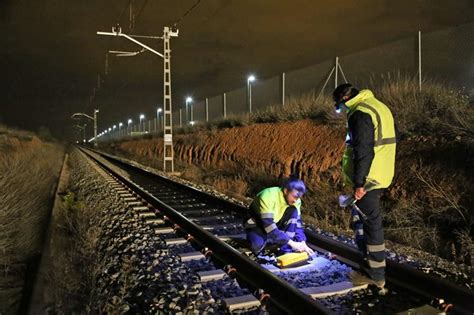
(187, 12)
(124, 10)
(140, 11)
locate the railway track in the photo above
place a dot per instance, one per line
(205, 231)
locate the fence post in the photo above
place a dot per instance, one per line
(224, 105)
(283, 89)
(207, 109)
(419, 60)
(335, 73)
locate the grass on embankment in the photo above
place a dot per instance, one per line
(29, 170)
(437, 109)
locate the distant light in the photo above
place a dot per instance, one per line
(142, 116)
(251, 78)
(338, 110)
(110, 129)
(114, 126)
(120, 124)
(189, 99)
(129, 121)
(160, 110)
(192, 123)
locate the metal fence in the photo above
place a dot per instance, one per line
(446, 55)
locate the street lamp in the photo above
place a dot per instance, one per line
(120, 127)
(140, 124)
(158, 113)
(129, 121)
(189, 100)
(250, 79)
(192, 122)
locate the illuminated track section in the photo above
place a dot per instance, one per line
(197, 215)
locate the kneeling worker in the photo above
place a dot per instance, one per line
(275, 218)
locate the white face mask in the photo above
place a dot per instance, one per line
(341, 106)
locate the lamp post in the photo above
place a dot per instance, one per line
(140, 124)
(250, 79)
(189, 102)
(158, 114)
(120, 129)
(129, 121)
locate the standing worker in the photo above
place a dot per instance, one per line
(275, 218)
(368, 167)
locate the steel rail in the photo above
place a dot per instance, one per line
(281, 293)
(403, 276)
(397, 274)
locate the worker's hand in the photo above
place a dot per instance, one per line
(359, 193)
(307, 249)
(297, 246)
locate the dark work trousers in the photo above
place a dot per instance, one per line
(258, 238)
(369, 234)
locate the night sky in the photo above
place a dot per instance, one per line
(51, 55)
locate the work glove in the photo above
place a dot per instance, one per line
(307, 249)
(297, 246)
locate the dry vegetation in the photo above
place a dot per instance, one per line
(438, 109)
(73, 261)
(29, 170)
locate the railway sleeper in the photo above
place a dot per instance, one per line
(339, 288)
(210, 275)
(191, 256)
(241, 302)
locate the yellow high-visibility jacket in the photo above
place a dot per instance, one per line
(382, 168)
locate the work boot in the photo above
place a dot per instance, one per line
(358, 278)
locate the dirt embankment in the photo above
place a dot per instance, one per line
(302, 148)
(428, 206)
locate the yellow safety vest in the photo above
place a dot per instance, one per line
(383, 165)
(271, 203)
